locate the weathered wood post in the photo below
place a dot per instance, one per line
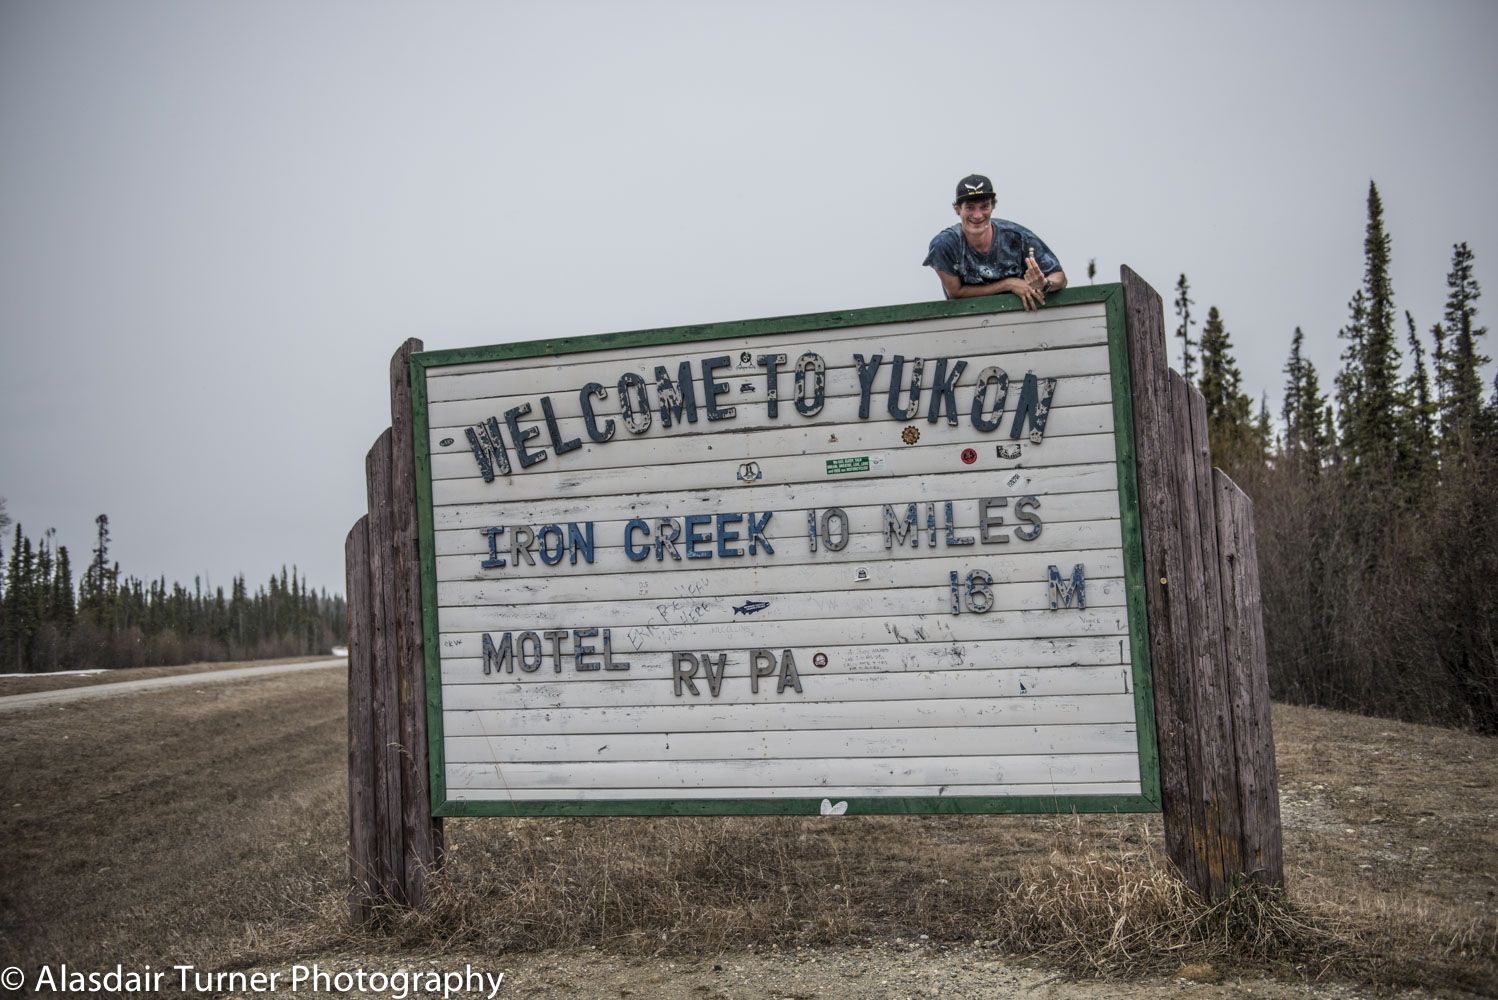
(1217, 776)
(394, 841)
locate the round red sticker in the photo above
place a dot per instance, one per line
(969, 456)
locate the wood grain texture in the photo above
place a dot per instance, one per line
(1248, 684)
(1154, 438)
(937, 713)
(387, 723)
(1086, 474)
(363, 840)
(422, 834)
(1220, 797)
(1211, 707)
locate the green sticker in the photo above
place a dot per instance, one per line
(837, 466)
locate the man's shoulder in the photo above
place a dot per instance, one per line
(1005, 224)
(949, 236)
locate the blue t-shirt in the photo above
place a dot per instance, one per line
(1005, 258)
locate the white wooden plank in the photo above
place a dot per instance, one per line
(961, 639)
(958, 336)
(1020, 566)
(846, 491)
(1076, 387)
(889, 771)
(751, 403)
(1019, 681)
(714, 715)
(791, 523)
(744, 443)
(814, 743)
(724, 473)
(861, 549)
(815, 793)
(1104, 597)
(654, 665)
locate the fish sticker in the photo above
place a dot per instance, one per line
(750, 607)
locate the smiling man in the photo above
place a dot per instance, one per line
(982, 255)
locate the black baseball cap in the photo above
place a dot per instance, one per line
(974, 186)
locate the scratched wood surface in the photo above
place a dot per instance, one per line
(1218, 783)
(422, 833)
(364, 862)
(870, 685)
(389, 811)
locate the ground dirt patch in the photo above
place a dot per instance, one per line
(207, 826)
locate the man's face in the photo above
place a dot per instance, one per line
(974, 213)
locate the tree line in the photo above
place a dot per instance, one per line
(1376, 501)
(113, 621)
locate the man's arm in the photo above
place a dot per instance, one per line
(955, 289)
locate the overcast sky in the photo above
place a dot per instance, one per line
(218, 220)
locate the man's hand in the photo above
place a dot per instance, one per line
(1034, 276)
(1032, 297)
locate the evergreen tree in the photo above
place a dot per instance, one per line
(1371, 436)
(1183, 303)
(1419, 425)
(64, 609)
(1229, 413)
(20, 602)
(96, 593)
(1304, 408)
(1263, 429)
(1458, 368)
(1349, 379)
(4, 523)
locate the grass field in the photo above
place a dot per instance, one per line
(207, 825)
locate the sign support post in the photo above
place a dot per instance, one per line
(394, 840)
(1218, 784)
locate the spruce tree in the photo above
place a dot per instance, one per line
(64, 609)
(1293, 407)
(1371, 433)
(93, 600)
(1183, 303)
(1459, 366)
(1420, 423)
(1349, 379)
(1228, 409)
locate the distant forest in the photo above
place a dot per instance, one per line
(126, 622)
(1375, 504)
(1376, 507)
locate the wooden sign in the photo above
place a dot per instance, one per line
(888, 558)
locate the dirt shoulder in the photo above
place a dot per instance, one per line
(896, 970)
(208, 826)
(28, 683)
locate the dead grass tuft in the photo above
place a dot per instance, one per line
(1122, 910)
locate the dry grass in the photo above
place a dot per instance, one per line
(1101, 900)
(208, 826)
